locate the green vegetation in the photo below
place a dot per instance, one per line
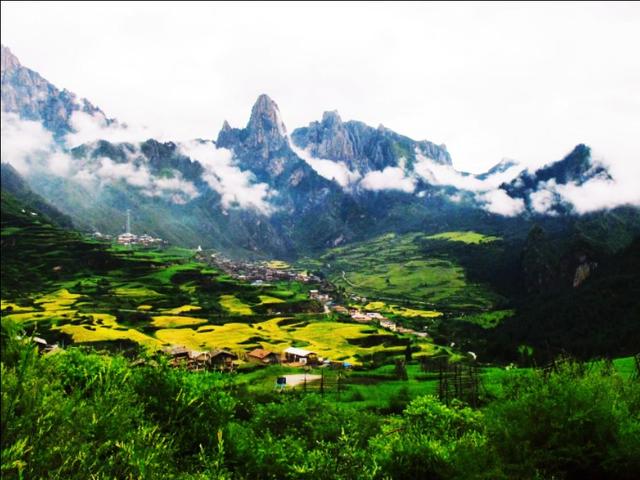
(464, 237)
(76, 414)
(159, 298)
(393, 267)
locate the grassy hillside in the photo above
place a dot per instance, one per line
(395, 268)
(70, 289)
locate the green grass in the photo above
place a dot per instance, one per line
(487, 319)
(394, 269)
(235, 306)
(464, 237)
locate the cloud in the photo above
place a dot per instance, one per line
(329, 169)
(543, 200)
(391, 178)
(88, 128)
(438, 174)
(28, 146)
(598, 193)
(105, 171)
(497, 201)
(236, 187)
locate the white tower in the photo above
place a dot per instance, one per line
(128, 221)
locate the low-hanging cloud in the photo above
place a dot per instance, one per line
(439, 174)
(497, 201)
(235, 186)
(104, 171)
(28, 146)
(31, 149)
(391, 178)
(602, 192)
(87, 128)
(329, 169)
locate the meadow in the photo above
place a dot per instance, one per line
(394, 268)
(124, 297)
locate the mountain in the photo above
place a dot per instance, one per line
(29, 95)
(361, 147)
(17, 187)
(258, 191)
(576, 167)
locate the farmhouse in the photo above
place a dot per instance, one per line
(389, 325)
(222, 359)
(196, 360)
(298, 355)
(375, 315)
(263, 356)
(360, 318)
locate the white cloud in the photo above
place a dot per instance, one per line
(391, 178)
(497, 201)
(328, 169)
(235, 186)
(26, 145)
(543, 200)
(438, 174)
(105, 170)
(488, 84)
(90, 128)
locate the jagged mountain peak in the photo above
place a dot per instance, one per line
(265, 114)
(8, 60)
(331, 117)
(26, 93)
(265, 129)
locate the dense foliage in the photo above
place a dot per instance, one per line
(78, 414)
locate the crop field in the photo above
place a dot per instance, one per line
(464, 237)
(158, 298)
(394, 268)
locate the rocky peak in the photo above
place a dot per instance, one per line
(331, 119)
(8, 61)
(265, 128)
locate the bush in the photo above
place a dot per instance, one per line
(570, 424)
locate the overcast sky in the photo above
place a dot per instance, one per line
(523, 81)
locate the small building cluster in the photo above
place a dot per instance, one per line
(143, 240)
(202, 360)
(258, 273)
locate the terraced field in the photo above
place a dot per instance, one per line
(394, 268)
(157, 298)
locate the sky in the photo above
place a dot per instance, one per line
(490, 81)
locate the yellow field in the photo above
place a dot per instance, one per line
(182, 309)
(144, 308)
(136, 292)
(277, 265)
(464, 237)
(14, 307)
(402, 311)
(267, 300)
(234, 306)
(327, 339)
(172, 321)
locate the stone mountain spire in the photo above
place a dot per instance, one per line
(265, 128)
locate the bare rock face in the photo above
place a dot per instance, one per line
(265, 130)
(583, 271)
(361, 147)
(31, 97)
(330, 139)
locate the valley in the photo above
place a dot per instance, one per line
(322, 299)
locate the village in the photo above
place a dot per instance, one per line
(258, 273)
(261, 273)
(128, 238)
(224, 360)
